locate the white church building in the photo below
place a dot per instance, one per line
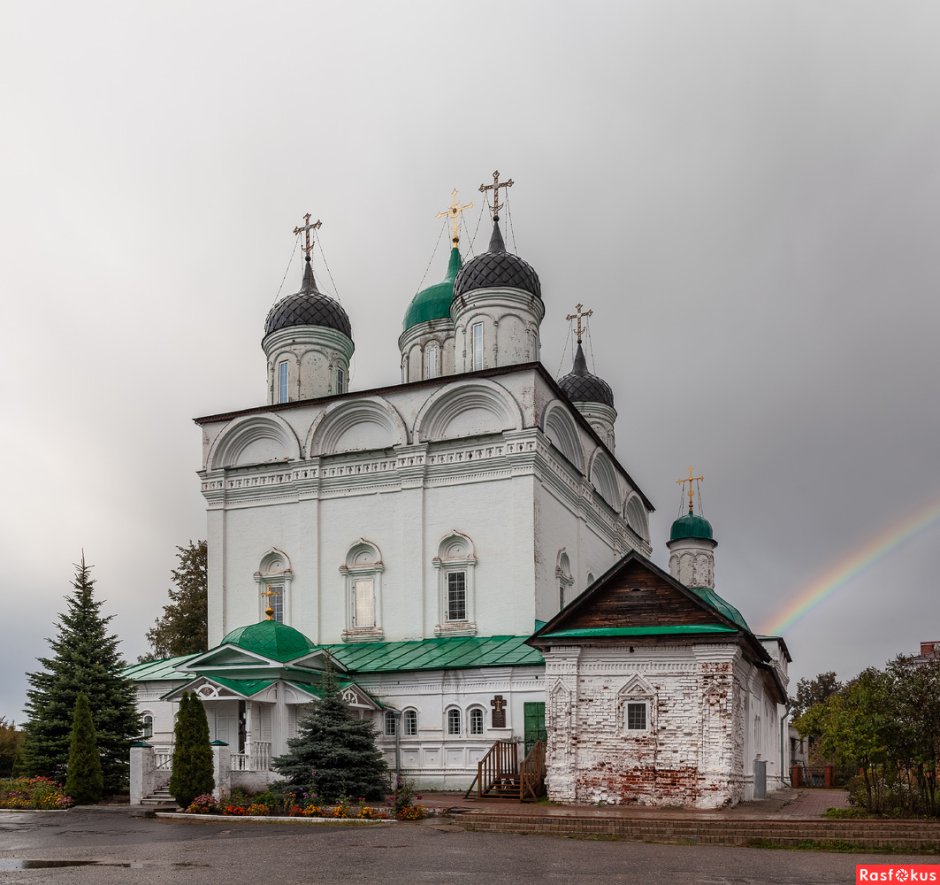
(467, 549)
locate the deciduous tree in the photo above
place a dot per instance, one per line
(183, 627)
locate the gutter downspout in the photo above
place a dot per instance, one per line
(397, 714)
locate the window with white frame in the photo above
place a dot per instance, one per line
(453, 722)
(476, 347)
(391, 724)
(637, 715)
(409, 721)
(283, 376)
(456, 563)
(146, 725)
(273, 578)
(340, 379)
(476, 721)
(363, 570)
(432, 360)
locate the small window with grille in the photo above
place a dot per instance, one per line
(410, 723)
(636, 715)
(453, 722)
(476, 721)
(391, 724)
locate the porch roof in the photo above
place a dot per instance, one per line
(157, 671)
(446, 653)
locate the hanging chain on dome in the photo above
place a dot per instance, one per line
(437, 243)
(290, 261)
(512, 230)
(563, 354)
(476, 230)
(329, 273)
(591, 347)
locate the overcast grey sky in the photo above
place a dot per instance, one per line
(747, 194)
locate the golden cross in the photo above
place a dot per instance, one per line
(494, 187)
(577, 315)
(269, 593)
(305, 230)
(690, 480)
(453, 212)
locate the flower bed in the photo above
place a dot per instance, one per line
(343, 810)
(34, 793)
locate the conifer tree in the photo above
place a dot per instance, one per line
(334, 752)
(85, 659)
(183, 628)
(192, 754)
(85, 781)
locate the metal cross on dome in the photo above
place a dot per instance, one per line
(690, 480)
(270, 593)
(578, 315)
(494, 187)
(453, 212)
(305, 230)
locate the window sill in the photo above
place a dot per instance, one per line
(363, 634)
(456, 628)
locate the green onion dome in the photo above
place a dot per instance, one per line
(433, 303)
(691, 526)
(270, 639)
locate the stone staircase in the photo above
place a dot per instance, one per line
(159, 798)
(911, 836)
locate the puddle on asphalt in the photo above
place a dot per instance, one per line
(15, 863)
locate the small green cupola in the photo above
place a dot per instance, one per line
(433, 302)
(692, 543)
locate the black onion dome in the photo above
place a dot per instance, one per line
(580, 386)
(309, 307)
(497, 268)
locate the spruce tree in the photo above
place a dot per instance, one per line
(85, 659)
(183, 628)
(85, 781)
(192, 754)
(334, 750)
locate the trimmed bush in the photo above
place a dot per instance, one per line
(85, 782)
(192, 754)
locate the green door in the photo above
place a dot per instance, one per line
(534, 715)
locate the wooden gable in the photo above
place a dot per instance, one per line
(632, 598)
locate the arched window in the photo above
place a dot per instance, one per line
(147, 725)
(432, 360)
(476, 347)
(455, 563)
(273, 579)
(564, 578)
(409, 721)
(453, 722)
(363, 572)
(340, 379)
(476, 721)
(391, 724)
(283, 375)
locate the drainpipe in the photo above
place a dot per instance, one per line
(397, 748)
(784, 773)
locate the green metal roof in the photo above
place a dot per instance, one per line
(448, 653)
(247, 687)
(433, 303)
(713, 600)
(667, 630)
(272, 639)
(153, 671)
(691, 526)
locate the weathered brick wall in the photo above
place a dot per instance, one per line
(691, 753)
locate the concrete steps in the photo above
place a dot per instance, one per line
(159, 798)
(910, 836)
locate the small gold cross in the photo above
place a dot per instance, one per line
(692, 479)
(577, 315)
(494, 187)
(305, 230)
(270, 593)
(453, 212)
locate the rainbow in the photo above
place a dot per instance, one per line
(860, 559)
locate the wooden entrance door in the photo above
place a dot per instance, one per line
(533, 714)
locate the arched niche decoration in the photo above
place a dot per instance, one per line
(273, 580)
(604, 479)
(467, 408)
(362, 571)
(635, 514)
(254, 439)
(560, 428)
(356, 425)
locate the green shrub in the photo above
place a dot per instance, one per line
(192, 754)
(85, 782)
